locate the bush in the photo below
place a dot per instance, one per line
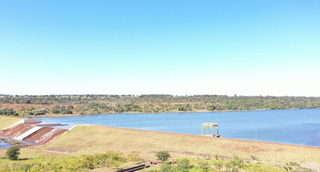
(13, 153)
(39, 112)
(62, 110)
(7, 111)
(167, 168)
(163, 155)
(186, 107)
(183, 165)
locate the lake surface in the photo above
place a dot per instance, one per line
(4, 145)
(300, 127)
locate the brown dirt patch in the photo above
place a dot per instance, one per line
(35, 136)
(45, 135)
(61, 150)
(279, 150)
(248, 149)
(56, 134)
(17, 130)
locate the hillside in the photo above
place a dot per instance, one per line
(86, 139)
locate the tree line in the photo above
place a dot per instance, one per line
(104, 104)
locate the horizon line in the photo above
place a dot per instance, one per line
(175, 95)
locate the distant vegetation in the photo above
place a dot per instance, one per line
(8, 112)
(62, 110)
(105, 104)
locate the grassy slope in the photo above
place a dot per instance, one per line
(86, 139)
(7, 121)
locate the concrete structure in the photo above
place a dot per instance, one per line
(210, 125)
(28, 133)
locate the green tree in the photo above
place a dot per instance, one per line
(13, 153)
(163, 155)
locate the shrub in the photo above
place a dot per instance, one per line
(13, 153)
(7, 111)
(62, 110)
(203, 164)
(183, 165)
(163, 155)
(167, 168)
(39, 112)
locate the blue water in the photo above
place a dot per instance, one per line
(300, 127)
(4, 145)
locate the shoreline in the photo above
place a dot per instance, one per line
(197, 111)
(199, 136)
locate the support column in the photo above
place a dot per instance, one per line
(202, 130)
(212, 128)
(218, 130)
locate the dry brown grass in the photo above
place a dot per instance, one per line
(87, 139)
(6, 121)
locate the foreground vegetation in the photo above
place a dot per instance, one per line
(109, 160)
(236, 164)
(114, 161)
(105, 104)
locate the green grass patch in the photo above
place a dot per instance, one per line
(111, 160)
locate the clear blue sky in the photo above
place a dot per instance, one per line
(249, 47)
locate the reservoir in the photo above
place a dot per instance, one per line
(294, 126)
(4, 145)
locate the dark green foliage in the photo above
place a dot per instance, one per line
(211, 108)
(186, 107)
(13, 153)
(163, 155)
(39, 112)
(62, 110)
(7, 111)
(94, 109)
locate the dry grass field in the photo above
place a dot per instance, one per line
(7, 121)
(87, 139)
